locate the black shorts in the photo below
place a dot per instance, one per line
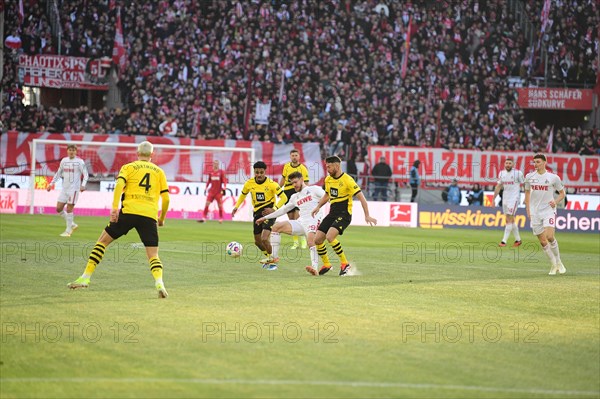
(147, 228)
(289, 194)
(339, 222)
(266, 225)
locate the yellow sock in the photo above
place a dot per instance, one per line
(322, 251)
(337, 247)
(156, 268)
(295, 238)
(95, 257)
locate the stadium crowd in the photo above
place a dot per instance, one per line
(331, 70)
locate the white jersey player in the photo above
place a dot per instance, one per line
(305, 199)
(74, 177)
(510, 180)
(540, 187)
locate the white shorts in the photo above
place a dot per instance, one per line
(539, 222)
(68, 197)
(301, 227)
(509, 207)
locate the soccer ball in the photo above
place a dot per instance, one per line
(234, 249)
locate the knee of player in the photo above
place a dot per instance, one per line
(331, 237)
(319, 239)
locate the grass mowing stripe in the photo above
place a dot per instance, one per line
(367, 384)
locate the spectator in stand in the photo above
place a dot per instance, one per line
(168, 127)
(342, 63)
(381, 174)
(338, 140)
(119, 122)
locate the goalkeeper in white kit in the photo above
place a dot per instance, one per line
(74, 176)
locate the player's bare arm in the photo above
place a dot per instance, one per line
(497, 192)
(561, 196)
(363, 201)
(114, 215)
(165, 199)
(267, 211)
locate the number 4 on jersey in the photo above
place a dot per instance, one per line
(145, 182)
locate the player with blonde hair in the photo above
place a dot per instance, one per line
(140, 186)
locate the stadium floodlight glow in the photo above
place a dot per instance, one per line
(94, 149)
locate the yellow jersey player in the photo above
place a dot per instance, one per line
(139, 187)
(293, 166)
(340, 188)
(263, 192)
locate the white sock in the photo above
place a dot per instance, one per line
(548, 252)
(69, 219)
(275, 242)
(62, 214)
(507, 230)
(554, 248)
(314, 257)
(515, 231)
(159, 281)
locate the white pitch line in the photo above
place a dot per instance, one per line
(367, 384)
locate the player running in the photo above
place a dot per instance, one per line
(263, 192)
(305, 198)
(288, 169)
(340, 188)
(139, 187)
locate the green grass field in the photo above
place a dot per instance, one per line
(441, 313)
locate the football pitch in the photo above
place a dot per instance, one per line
(429, 313)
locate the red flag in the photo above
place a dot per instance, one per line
(21, 13)
(550, 141)
(406, 49)
(119, 55)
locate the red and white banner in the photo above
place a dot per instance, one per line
(439, 165)
(560, 99)
(179, 165)
(62, 72)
